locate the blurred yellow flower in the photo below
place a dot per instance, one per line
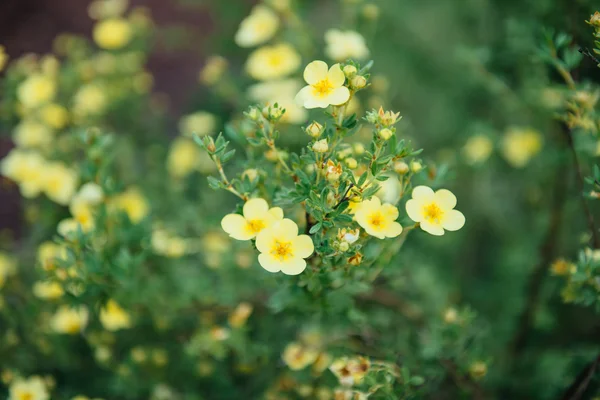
(113, 317)
(49, 254)
(3, 58)
(256, 217)
(390, 190)
(25, 168)
(31, 133)
(36, 90)
(213, 70)
(101, 9)
(168, 245)
(273, 62)
(350, 371)
(183, 158)
(562, 267)
(200, 123)
(325, 86)
(282, 249)
(297, 357)
(282, 93)
(434, 211)
(239, 316)
(55, 116)
(133, 203)
(32, 388)
(60, 182)
(89, 100)
(477, 149)
(112, 34)
(7, 267)
(47, 290)
(519, 145)
(69, 320)
(258, 27)
(89, 193)
(378, 220)
(342, 45)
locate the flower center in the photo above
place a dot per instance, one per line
(73, 327)
(282, 250)
(323, 88)
(26, 396)
(433, 213)
(275, 60)
(376, 219)
(256, 225)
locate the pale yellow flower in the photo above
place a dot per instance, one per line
(342, 45)
(113, 317)
(434, 211)
(239, 316)
(133, 202)
(25, 168)
(260, 26)
(89, 193)
(101, 9)
(168, 245)
(49, 254)
(390, 190)
(519, 145)
(69, 320)
(297, 357)
(47, 290)
(83, 214)
(3, 58)
(378, 220)
(32, 388)
(477, 149)
(213, 70)
(55, 116)
(112, 34)
(350, 371)
(183, 158)
(325, 86)
(30, 133)
(273, 62)
(200, 123)
(60, 182)
(282, 249)
(89, 100)
(36, 90)
(256, 217)
(7, 267)
(283, 93)
(562, 267)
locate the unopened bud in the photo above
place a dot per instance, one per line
(314, 130)
(359, 82)
(253, 114)
(358, 148)
(416, 166)
(344, 246)
(320, 146)
(352, 163)
(371, 11)
(450, 315)
(595, 19)
(350, 71)
(386, 133)
(401, 167)
(251, 174)
(478, 370)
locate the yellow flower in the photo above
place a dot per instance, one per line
(562, 267)
(48, 290)
(343, 45)
(256, 217)
(112, 34)
(477, 149)
(32, 388)
(478, 370)
(519, 145)
(282, 249)
(89, 100)
(25, 168)
(36, 90)
(89, 193)
(200, 123)
(7, 267)
(273, 62)
(325, 87)
(257, 28)
(100, 9)
(133, 203)
(30, 133)
(82, 213)
(49, 254)
(240, 315)
(378, 219)
(184, 157)
(350, 371)
(297, 357)
(213, 70)
(55, 116)
(390, 190)
(60, 182)
(165, 244)
(282, 93)
(434, 210)
(3, 58)
(69, 320)
(113, 317)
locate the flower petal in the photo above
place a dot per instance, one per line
(414, 209)
(393, 230)
(265, 239)
(255, 208)
(422, 192)
(316, 102)
(270, 263)
(339, 96)
(390, 211)
(433, 229)
(235, 226)
(315, 71)
(293, 266)
(303, 95)
(446, 199)
(276, 212)
(285, 229)
(336, 76)
(303, 246)
(454, 220)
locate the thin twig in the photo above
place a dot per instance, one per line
(582, 381)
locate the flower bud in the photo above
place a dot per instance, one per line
(320, 146)
(595, 19)
(355, 259)
(350, 71)
(358, 148)
(478, 370)
(251, 173)
(333, 171)
(253, 114)
(415, 166)
(352, 163)
(314, 130)
(358, 82)
(344, 246)
(401, 167)
(450, 315)
(386, 133)
(370, 11)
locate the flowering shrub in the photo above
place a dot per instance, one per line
(299, 236)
